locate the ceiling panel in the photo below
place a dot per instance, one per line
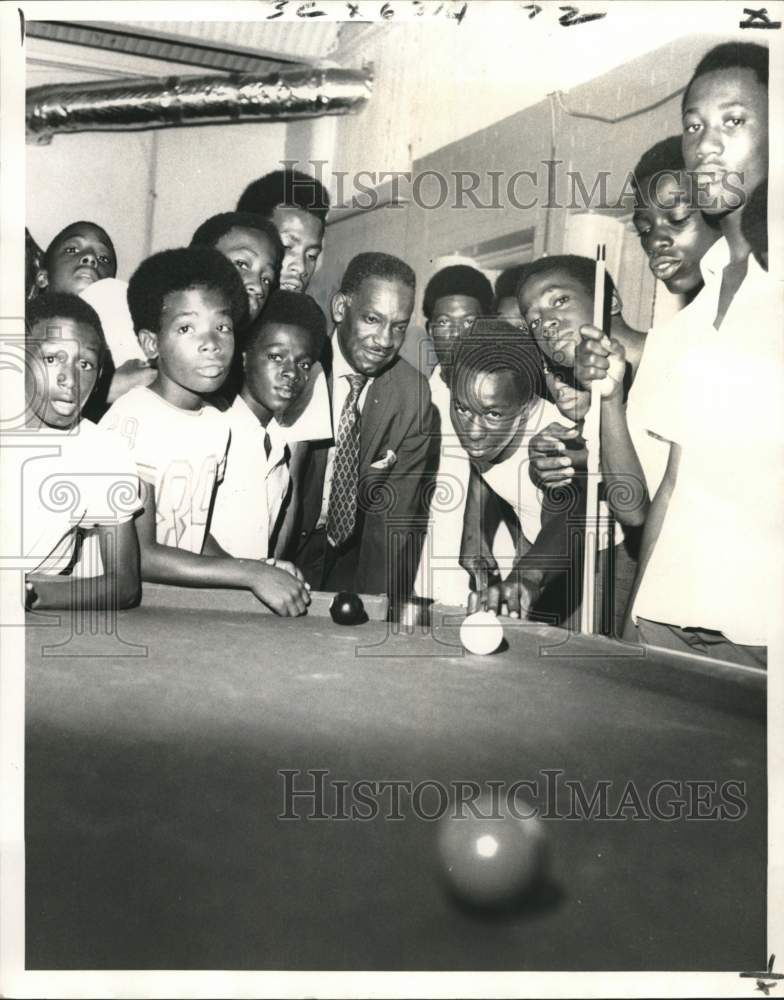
(130, 39)
(293, 40)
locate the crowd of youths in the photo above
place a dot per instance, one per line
(256, 445)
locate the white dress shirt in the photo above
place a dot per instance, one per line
(720, 396)
(248, 501)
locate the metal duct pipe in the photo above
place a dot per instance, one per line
(194, 100)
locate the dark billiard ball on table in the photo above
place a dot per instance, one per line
(347, 609)
(492, 859)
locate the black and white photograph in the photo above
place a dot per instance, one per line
(392, 499)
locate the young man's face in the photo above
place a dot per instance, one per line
(673, 234)
(63, 367)
(555, 305)
(82, 255)
(372, 323)
(725, 132)
(302, 236)
(194, 345)
(277, 368)
(453, 315)
(486, 408)
(253, 255)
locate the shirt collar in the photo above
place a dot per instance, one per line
(247, 415)
(718, 257)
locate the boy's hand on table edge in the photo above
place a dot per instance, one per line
(279, 589)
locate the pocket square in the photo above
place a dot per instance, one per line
(386, 462)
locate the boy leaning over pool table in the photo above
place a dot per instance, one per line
(185, 305)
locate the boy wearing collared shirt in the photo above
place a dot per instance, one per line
(711, 383)
(280, 350)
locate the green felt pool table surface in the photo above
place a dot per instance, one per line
(154, 794)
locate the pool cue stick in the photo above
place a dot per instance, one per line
(591, 433)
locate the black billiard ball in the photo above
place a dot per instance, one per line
(347, 609)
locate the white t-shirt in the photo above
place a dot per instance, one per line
(721, 399)
(83, 477)
(248, 501)
(181, 453)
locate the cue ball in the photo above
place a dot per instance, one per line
(481, 633)
(347, 609)
(492, 859)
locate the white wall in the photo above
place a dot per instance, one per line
(202, 171)
(437, 81)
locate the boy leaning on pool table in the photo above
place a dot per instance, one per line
(278, 353)
(86, 549)
(186, 305)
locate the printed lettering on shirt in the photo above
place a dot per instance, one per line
(180, 506)
(128, 427)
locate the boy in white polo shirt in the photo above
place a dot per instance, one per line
(711, 384)
(280, 350)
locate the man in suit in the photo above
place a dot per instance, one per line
(361, 516)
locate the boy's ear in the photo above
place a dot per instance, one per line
(338, 306)
(42, 278)
(243, 357)
(616, 305)
(148, 341)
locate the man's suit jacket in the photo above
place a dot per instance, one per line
(398, 458)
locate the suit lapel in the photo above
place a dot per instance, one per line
(375, 416)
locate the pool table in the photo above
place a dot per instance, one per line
(161, 743)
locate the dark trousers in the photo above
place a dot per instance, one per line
(327, 568)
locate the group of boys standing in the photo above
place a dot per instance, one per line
(274, 458)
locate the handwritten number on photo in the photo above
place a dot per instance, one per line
(573, 16)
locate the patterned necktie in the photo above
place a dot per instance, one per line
(342, 514)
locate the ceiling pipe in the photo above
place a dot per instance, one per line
(124, 105)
